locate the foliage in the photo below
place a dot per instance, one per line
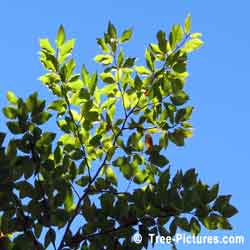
(61, 190)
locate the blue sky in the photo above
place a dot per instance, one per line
(218, 84)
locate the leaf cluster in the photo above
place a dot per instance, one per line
(49, 180)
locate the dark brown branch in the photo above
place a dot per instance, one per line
(79, 238)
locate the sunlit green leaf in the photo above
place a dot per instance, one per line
(192, 45)
(11, 97)
(126, 35)
(45, 45)
(104, 59)
(187, 26)
(60, 38)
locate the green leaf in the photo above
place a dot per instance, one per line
(187, 26)
(109, 89)
(142, 70)
(189, 178)
(11, 97)
(10, 112)
(49, 61)
(41, 117)
(120, 58)
(140, 176)
(59, 106)
(67, 139)
(162, 42)
(224, 224)
(138, 82)
(155, 48)
(195, 226)
(38, 229)
(176, 35)
(76, 85)
(32, 103)
(213, 192)
(107, 77)
(83, 181)
(149, 60)
(179, 98)
(180, 67)
(183, 115)
(163, 142)
(229, 211)
(110, 175)
(129, 62)
(183, 224)
(222, 205)
(69, 201)
(93, 83)
(14, 127)
(104, 59)
(221, 202)
(164, 179)
(192, 45)
(46, 139)
(66, 49)
(211, 221)
(119, 161)
(126, 35)
(86, 106)
(60, 38)
(92, 116)
(103, 45)
(84, 246)
(173, 227)
(196, 35)
(177, 137)
(112, 30)
(159, 160)
(70, 66)
(45, 45)
(85, 75)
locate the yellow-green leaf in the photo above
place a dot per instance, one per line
(45, 45)
(60, 38)
(192, 45)
(104, 59)
(142, 70)
(187, 26)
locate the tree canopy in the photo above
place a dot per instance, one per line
(102, 174)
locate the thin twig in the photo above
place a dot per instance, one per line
(77, 133)
(77, 194)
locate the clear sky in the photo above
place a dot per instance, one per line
(218, 84)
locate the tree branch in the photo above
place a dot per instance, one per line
(88, 189)
(119, 86)
(78, 239)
